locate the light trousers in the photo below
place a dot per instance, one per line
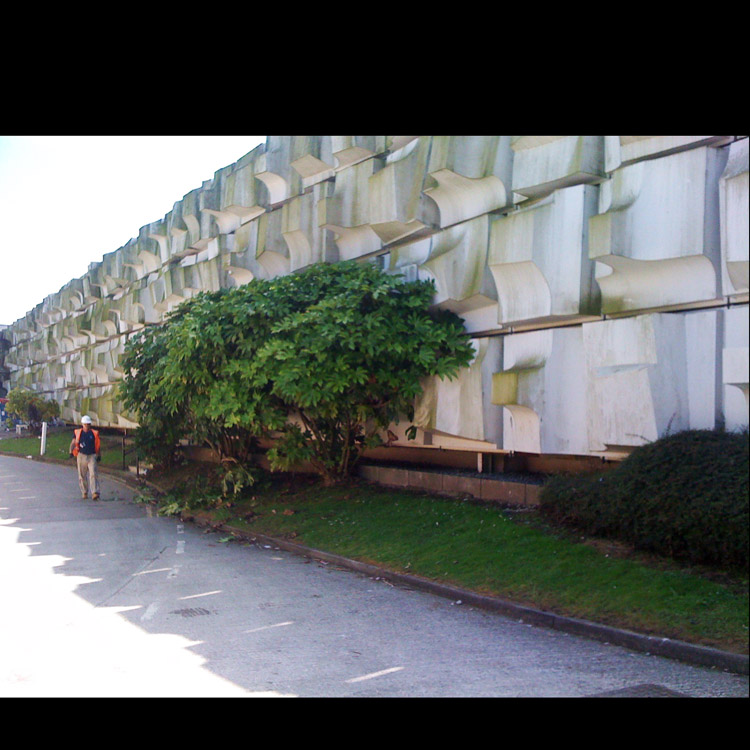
(88, 476)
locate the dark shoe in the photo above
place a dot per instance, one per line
(95, 496)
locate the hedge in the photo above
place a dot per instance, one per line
(684, 496)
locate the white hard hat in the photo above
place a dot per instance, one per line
(86, 420)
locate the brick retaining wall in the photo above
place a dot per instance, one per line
(482, 488)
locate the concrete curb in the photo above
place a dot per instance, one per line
(666, 647)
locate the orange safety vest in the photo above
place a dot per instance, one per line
(78, 437)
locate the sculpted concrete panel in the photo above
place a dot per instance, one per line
(734, 197)
(735, 358)
(621, 150)
(655, 236)
(543, 164)
(538, 257)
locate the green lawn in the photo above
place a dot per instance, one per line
(504, 553)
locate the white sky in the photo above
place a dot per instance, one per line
(65, 201)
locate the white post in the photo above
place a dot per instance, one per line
(44, 438)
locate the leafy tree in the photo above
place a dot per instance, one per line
(160, 429)
(322, 359)
(353, 360)
(193, 377)
(32, 408)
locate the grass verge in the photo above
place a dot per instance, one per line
(490, 550)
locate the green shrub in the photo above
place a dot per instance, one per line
(684, 496)
(214, 489)
(320, 361)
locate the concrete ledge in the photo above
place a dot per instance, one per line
(370, 473)
(482, 488)
(392, 477)
(507, 492)
(428, 480)
(455, 484)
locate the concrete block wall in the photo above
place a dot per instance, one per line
(489, 489)
(603, 279)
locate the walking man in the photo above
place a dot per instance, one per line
(86, 448)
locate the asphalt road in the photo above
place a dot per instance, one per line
(106, 599)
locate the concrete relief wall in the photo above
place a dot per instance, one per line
(603, 279)
(735, 236)
(539, 260)
(655, 238)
